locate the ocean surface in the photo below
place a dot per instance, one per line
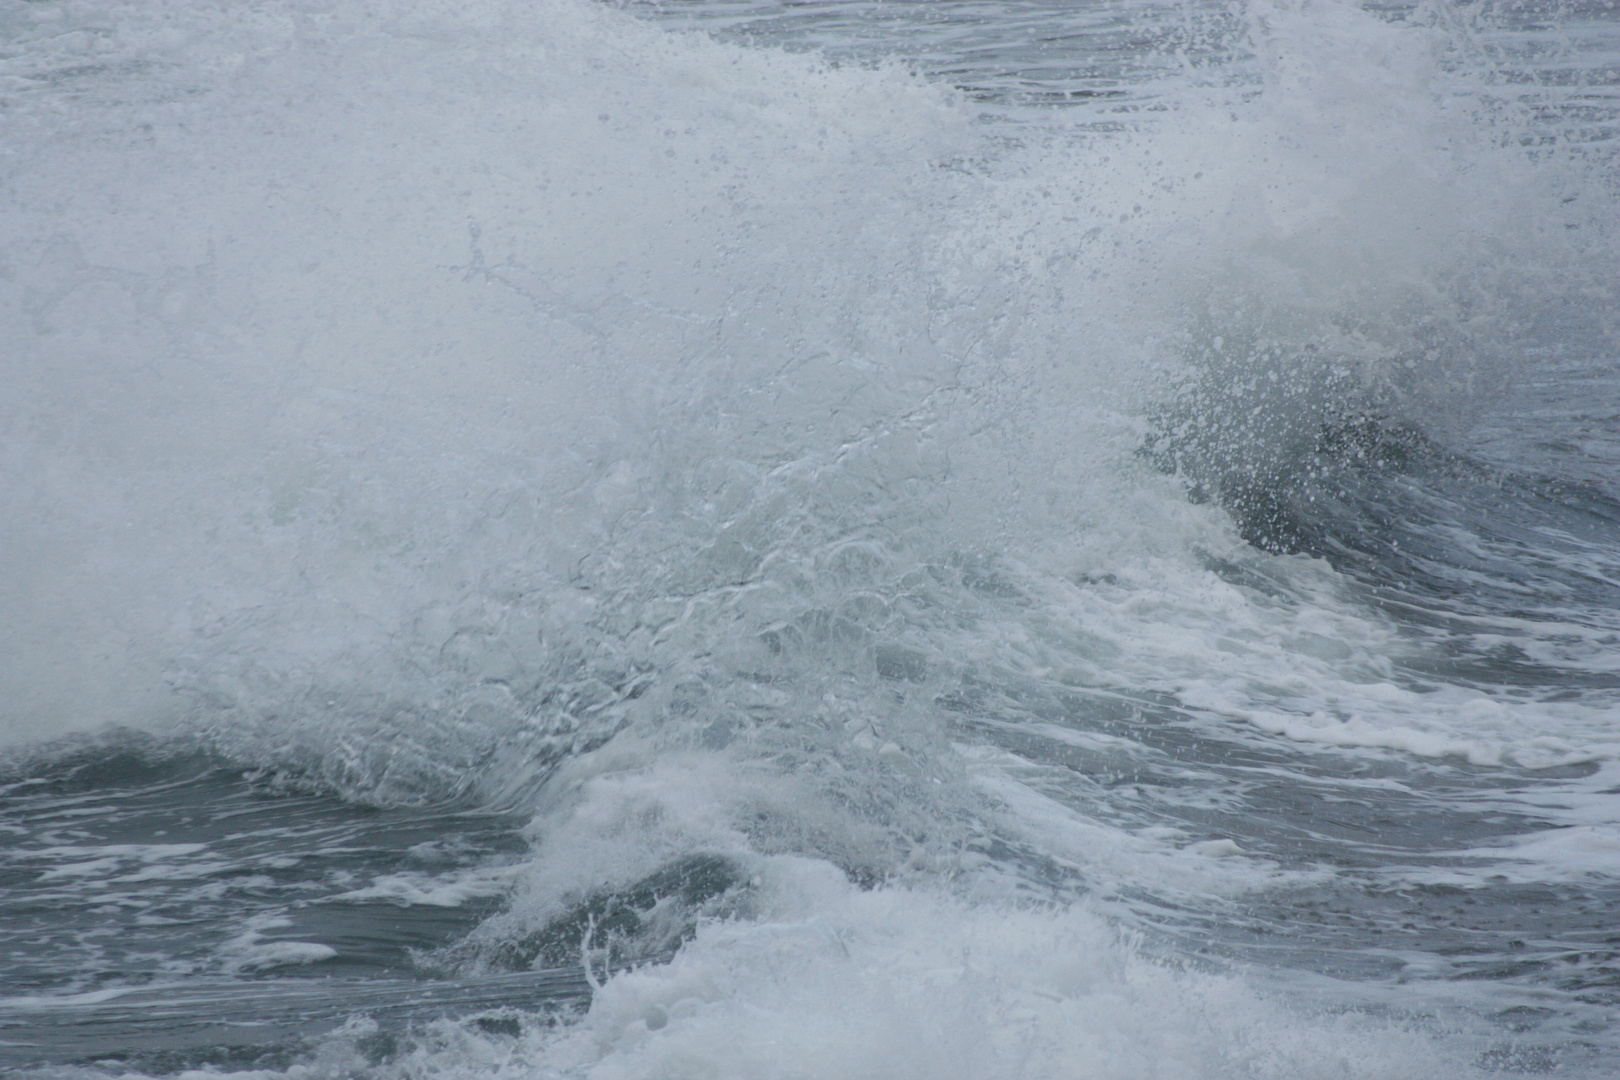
(849, 539)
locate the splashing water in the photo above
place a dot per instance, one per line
(945, 539)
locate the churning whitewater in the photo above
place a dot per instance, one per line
(877, 538)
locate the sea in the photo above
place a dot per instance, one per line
(799, 539)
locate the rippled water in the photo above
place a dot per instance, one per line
(848, 539)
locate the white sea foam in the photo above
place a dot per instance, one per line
(830, 981)
(898, 983)
(433, 890)
(250, 951)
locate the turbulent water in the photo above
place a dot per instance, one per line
(875, 538)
